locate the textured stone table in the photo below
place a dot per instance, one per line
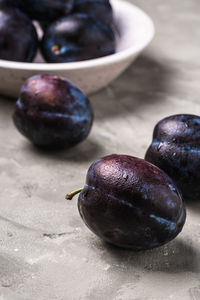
(46, 252)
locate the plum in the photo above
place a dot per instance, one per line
(130, 203)
(18, 37)
(44, 25)
(176, 149)
(52, 112)
(46, 10)
(100, 9)
(13, 3)
(77, 37)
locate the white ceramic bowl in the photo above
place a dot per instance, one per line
(136, 30)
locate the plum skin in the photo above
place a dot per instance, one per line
(176, 149)
(52, 112)
(77, 37)
(19, 39)
(13, 3)
(100, 9)
(44, 10)
(131, 203)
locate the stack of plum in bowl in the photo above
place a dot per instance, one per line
(90, 42)
(73, 30)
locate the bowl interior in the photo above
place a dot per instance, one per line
(135, 27)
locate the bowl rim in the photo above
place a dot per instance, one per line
(97, 62)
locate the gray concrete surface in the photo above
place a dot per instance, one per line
(46, 252)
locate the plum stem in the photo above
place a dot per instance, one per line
(72, 194)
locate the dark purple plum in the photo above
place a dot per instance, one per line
(44, 25)
(100, 9)
(52, 112)
(131, 203)
(76, 38)
(18, 37)
(46, 10)
(176, 149)
(13, 3)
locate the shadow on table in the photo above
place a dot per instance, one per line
(194, 205)
(6, 99)
(176, 256)
(7, 106)
(145, 82)
(86, 151)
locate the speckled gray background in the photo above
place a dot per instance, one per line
(46, 252)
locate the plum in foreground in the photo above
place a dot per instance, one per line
(130, 203)
(52, 112)
(176, 150)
